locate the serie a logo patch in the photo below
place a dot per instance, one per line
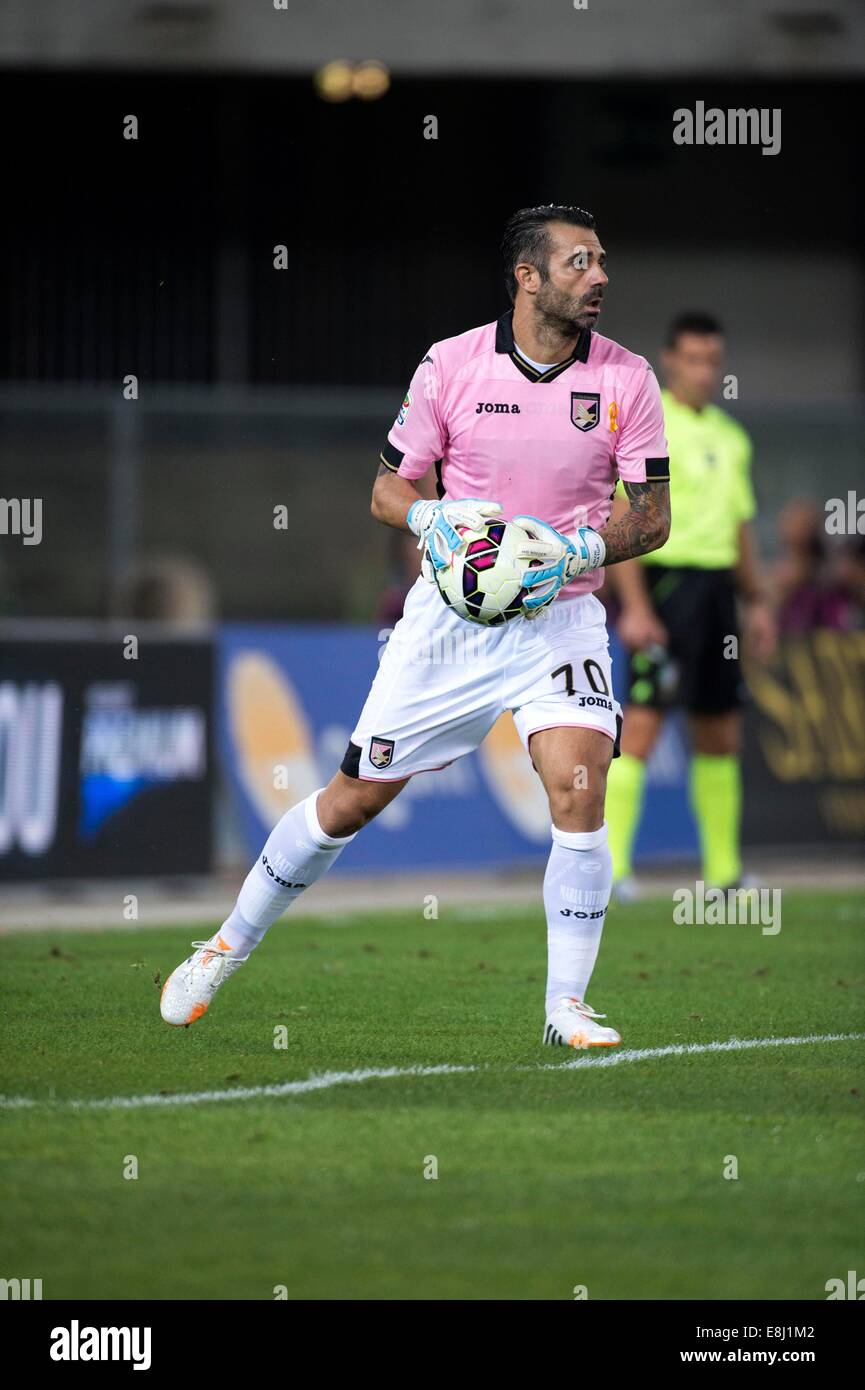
(585, 409)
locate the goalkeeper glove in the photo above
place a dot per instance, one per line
(562, 559)
(435, 523)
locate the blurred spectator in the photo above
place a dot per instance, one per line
(405, 561)
(166, 589)
(847, 589)
(811, 590)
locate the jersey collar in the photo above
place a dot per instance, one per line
(505, 343)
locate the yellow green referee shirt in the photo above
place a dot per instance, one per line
(710, 487)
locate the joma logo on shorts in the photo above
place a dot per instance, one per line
(594, 700)
(496, 408)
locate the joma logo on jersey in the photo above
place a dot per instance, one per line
(496, 408)
(585, 409)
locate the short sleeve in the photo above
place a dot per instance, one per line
(747, 503)
(417, 437)
(641, 444)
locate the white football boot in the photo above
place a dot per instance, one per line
(189, 989)
(571, 1023)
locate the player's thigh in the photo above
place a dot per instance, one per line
(641, 725)
(718, 735)
(561, 673)
(718, 690)
(681, 599)
(573, 762)
(560, 689)
(435, 696)
(347, 804)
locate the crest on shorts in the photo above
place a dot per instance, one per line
(585, 409)
(381, 752)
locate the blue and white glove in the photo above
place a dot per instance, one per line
(562, 559)
(434, 523)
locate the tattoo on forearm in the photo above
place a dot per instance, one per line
(644, 527)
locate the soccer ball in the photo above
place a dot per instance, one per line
(483, 581)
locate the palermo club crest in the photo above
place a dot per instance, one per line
(585, 409)
(381, 752)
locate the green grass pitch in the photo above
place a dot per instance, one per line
(550, 1177)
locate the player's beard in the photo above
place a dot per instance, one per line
(559, 314)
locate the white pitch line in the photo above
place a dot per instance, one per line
(326, 1080)
(611, 1059)
(323, 1082)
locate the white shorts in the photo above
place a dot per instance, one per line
(443, 682)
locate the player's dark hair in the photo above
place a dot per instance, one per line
(526, 238)
(694, 321)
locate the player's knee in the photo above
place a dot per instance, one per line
(345, 814)
(578, 805)
(368, 800)
(719, 737)
(718, 747)
(640, 730)
(348, 804)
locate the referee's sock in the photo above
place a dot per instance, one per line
(716, 798)
(626, 782)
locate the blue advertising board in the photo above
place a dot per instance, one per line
(106, 760)
(288, 698)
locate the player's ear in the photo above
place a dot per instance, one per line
(527, 277)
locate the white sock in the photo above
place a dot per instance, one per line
(297, 853)
(577, 887)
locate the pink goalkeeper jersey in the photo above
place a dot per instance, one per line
(549, 444)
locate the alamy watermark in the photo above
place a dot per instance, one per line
(845, 516)
(17, 1290)
(22, 516)
(77, 1343)
(735, 126)
(714, 907)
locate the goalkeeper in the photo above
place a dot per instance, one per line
(536, 413)
(679, 612)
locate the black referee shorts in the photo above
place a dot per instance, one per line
(698, 609)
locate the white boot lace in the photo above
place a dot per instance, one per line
(579, 1007)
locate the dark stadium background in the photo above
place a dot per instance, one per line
(154, 256)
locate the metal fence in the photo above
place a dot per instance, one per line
(197, 475)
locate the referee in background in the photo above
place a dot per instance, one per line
(678, 612)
